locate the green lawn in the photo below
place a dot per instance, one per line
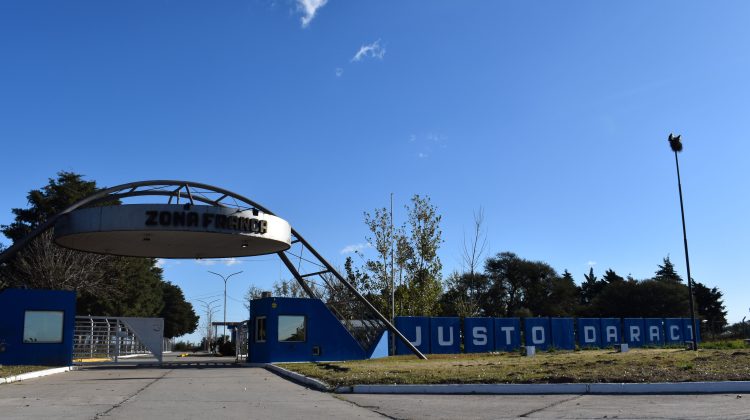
(6, 370)
(639, 365)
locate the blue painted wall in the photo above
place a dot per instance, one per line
(673, 331)
(687, 329)
(324, 331)
(634, 331)
(590, 332)
(416, 329)
(611, 332)
(13, 306)
(654, 331)
(537, 333)
(507, 334)
(479, 335)
(445, 335)
(562, 333)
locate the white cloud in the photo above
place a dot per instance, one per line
(161, 262)
(309, 8)
(374, 50)
(339, 71)
(349, 249)
(421, 155)
(591, 263)
(213, 261)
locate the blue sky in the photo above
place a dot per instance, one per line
(552, 116)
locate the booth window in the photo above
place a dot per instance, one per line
(43, 327)
(292, 328)
(260, 329)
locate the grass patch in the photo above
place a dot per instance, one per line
(591, 366)
(723, 344)
(6, 370)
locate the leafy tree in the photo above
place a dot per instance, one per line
(424, 285)
(591, 287)
(179, 315)
(710, 306)
(667, 273)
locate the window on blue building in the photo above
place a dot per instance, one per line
(260, 329)
(292, 328)
(43, 327)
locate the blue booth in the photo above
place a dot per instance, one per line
(36, 327)
(303, 330)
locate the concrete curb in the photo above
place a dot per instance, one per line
(36, 374)
(540, 389)
(296, 377)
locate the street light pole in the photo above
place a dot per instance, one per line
(676, 145)
(225, 300)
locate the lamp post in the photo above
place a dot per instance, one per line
(676, 145)
(225, 300)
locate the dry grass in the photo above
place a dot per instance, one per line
(640, 365)
(6, 370)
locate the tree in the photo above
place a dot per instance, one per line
(591, 287)
(710, 307)
(424, 286)
(382, 239)
(667, 273)
(179, 315)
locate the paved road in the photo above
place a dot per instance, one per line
(254, 393)
(180, 393)
(557, 406)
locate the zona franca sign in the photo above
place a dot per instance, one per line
(173, 231)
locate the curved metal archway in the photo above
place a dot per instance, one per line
(355, 312)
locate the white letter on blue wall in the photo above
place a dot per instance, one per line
(418, 336)
(508, 331)
(537, 335)
(589, 334)
(653, 333)
(480, 336)
(441, 339)
(635, 333)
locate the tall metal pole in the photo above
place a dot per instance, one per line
(676, 145)
(393, 284)
(225, 300)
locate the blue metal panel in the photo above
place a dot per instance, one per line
(445, 335)
(417, 330)
(688, 329)
(634, 331)
(326, 339)
(479, 335)
(611, 332)
(537, 333)
(673, 330)
(13, 306)
(590, 332)
(654, 331)
(562, 333)
(507, 334)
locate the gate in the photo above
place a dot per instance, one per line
(112, 338)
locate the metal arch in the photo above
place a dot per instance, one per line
(132, 187)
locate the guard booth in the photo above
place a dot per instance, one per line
(36, 327)
(305, 330)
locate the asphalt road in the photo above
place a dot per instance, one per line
(254, 393)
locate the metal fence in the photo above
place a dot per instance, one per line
(105, 337)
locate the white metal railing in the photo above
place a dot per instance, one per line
(105, 337)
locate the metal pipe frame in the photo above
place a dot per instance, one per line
(135, 189)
